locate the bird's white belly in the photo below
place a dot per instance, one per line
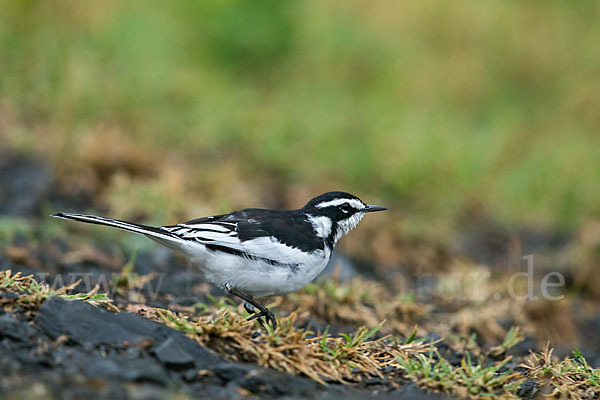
(259, 278)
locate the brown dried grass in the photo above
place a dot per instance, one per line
(344, 359)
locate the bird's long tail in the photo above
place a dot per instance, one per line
(156, 234)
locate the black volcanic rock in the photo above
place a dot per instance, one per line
(83, 323)
(14, 329)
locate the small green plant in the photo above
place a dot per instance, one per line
(125, 277)
(591, 374)
(469, 379)
(338, 350)
(411, 337)
(512, 338)
(361, 336)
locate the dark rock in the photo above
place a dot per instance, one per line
(25, 184)
(228, 391)
(274, 383)
(374, 381)
(411, 391)
(81, 323)
(528, 389)
(190, 375)
(102, 368)
(139, 369)
(14, 329)
(147, 392)
(264, 381)
(522, 348)
(9, 295)
(591, 341)
(171, 353)
(229, 371)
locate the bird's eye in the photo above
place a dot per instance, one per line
(346, 208)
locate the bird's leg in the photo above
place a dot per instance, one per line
(249, 307)
(264, 311)
(252, 310)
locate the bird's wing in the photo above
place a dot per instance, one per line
(254, 234)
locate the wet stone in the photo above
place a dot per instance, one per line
(173, 354)
(527, 390)
(142, 370)
(13, 329)
(83, 323)
(231, 371)
(102, 368)
(410, 391)
(274, 383)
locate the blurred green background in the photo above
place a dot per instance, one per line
(168, 110)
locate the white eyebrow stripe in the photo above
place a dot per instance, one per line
(353, 202)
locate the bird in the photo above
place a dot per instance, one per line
(254, 253)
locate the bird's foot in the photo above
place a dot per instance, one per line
(250, 304)
(250, 309)
(268, 315)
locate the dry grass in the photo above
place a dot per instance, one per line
(347, 358)
(33, 293)
(357, 302)
(344, 359)
(571, 378)
(461, 309)
(352, 358)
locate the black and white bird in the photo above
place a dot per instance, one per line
(257, 252)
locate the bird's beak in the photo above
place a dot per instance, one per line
(371, 208)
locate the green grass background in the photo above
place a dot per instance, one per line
(432, 108)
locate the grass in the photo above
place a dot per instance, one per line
(513, 337)
(484, 378)
(128, 279)
(468, 311)
(33, 293)
(347, 358)
(467, 380)
(452, 115)
(569, 378)
(432, 111)
(356, 302)
(351, 357)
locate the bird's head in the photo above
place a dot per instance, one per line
(334, 214)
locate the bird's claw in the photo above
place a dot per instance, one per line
(267, 314)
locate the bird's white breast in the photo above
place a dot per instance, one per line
(294, 268)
